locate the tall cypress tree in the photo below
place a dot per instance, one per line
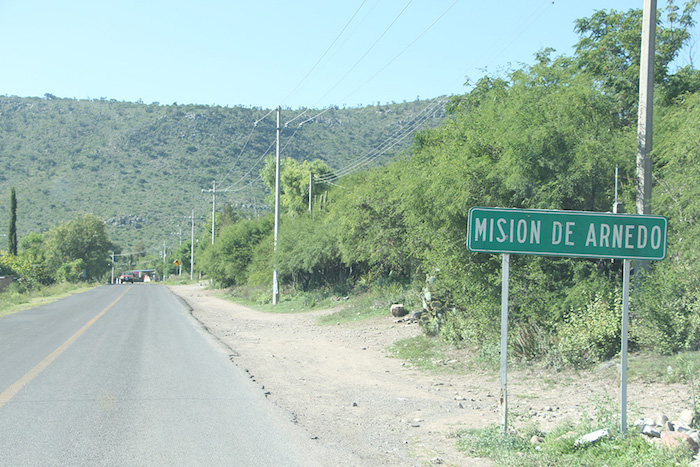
(12, 236)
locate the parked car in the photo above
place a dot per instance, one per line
(126, 277)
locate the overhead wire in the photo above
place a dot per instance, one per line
(326, 52)
(369, 157)
(251, 169)
(404, 49)
(388, 63)
(395, 139)
(388, 144)
(344, 76)
(240, 153)
(368, 50)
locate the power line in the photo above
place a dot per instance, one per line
(240, 153)
(404, 50)
(254, 165)
(389, 143)
(326, 52)
(368, 50)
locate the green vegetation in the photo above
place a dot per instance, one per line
(142, 167)
(561, 446)
(559, 449)
(544, 136)
(430, 354)
(548, 135)
(11, 300)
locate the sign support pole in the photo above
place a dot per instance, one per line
(625, 324)
(503, 401)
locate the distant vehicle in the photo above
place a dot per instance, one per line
(141, 274)
(126, 277)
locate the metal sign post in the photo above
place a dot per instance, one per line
(566, 234)
(625, 323)
(503, 400)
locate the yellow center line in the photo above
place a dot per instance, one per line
(17, 386)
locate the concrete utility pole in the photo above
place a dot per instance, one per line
(192, 218)
(213, 208)
(645, 114)
(275, 275)
(311, 191)
(192, 249)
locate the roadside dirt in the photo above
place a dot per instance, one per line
(340, 383)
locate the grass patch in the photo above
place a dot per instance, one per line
(679, 368)
(429, 354)
(559, 449)
(356, 309)
(374, 302)
(348, 308)
(12, 301)
(261, 300)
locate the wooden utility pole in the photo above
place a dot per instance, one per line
(275, 275)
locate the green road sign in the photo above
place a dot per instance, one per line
(567, 233)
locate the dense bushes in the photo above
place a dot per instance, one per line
(548, 136)
(227, 260)
(74, 251)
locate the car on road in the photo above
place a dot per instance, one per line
(126, 277)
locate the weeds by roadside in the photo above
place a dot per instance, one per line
(12, 301)
(559, 448)
(361, 304)
(563, 446)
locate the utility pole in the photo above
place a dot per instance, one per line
(192, 249)
(275, 275)
(192, 218)
(163, 277)
(111, 280)
(213, 208)
(645, 113)
(311, 192)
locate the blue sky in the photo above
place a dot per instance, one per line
(266, 53)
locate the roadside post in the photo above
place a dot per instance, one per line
(577, 234)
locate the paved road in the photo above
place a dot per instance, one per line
(123, 375)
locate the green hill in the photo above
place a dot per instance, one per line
(142, 167)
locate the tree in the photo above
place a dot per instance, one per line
(12, 235)
(227, 260)
(83, 238)
(370, 228)
(610, 49)
(294, 182)
(545, 138)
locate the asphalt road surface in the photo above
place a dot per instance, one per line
(123, 375)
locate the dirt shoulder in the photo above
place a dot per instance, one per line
(340, 384)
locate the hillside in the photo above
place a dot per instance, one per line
(142, 167)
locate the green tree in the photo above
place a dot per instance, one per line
(369, 225)
(294, 182)
(227, 260)
(610, 49)
(83, 238)
(307, 254)
(544, 138)
(12, 235)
